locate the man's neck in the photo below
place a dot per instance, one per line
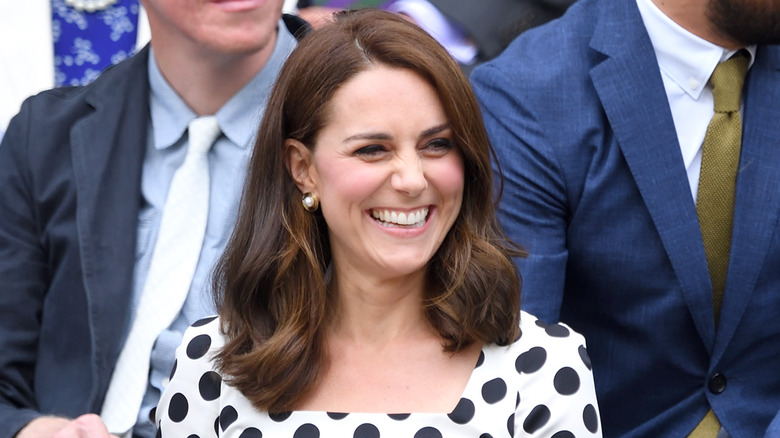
(207, 80)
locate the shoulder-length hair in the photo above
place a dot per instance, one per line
(271, 283)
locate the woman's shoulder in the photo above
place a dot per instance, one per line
(549, 368)
(558, 330)
(203, 336)
(540, 343)
(534, 330)
(191, 398)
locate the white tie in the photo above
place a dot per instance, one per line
(175, 256)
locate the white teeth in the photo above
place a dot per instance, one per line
(394, 218)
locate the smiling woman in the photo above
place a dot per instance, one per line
(389, 177)
(394, 307)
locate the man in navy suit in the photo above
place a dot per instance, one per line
(84, 174)
(598, 120)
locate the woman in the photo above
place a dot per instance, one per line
(387, 303)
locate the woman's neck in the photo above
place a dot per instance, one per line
(378, 311)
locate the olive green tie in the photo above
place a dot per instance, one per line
(718, 177)
(717, 185)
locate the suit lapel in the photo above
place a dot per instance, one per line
(631, 90)
(758, 191)
(108, 146)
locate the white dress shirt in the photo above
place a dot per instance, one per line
(686, 62)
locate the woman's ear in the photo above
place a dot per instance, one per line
(299, 164)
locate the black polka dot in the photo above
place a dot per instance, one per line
(227, 417)
(399, 417)
(159, 433)
(590, 418)
(486, 435)
(209, 385)
(538, 417)
(216, 426)
(563, 434)
(198, 346)
(173, 370)
(280, 416)
(153, 415)
(517, 401)
(251, 432)
(337, 415)
(481, 359)
(307, 430)
(366, 430)
(203, 321)
(428, 432)
(557, 331)
(531, 361)
(193, 436)
(566, 381)
(554, 330)
(494, 391)
(510, 424)
(584, 356)
(463, 413)
(178, 407)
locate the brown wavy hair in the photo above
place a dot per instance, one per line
(271, 284)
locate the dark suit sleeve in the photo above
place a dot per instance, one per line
(23, 279)
(533, 208)
(773, 431)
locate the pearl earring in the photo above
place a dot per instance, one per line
(310, 202)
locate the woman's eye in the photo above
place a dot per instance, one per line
(370, 150)
(439, 145)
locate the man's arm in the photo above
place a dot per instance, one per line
(23, 279)
(533, 208)
(773, 431)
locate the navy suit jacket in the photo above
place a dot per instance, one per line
(70, 176)
(597, 192)
(774, 428)
(70, 169)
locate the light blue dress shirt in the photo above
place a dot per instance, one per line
(228, 157)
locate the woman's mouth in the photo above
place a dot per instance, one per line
(391, 218)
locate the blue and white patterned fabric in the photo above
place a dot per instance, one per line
(85, 43)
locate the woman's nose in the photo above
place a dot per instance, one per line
(409, 176)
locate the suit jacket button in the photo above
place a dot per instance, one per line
(717, 383)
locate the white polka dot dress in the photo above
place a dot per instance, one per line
(539, 386)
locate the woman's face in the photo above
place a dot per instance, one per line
(387, 172)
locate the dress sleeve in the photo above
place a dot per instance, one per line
(557, 396)
(189, 405)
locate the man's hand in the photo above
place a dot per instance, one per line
(85, 426)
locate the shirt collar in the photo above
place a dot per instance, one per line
(238, 118)
(170, 115)
(685, 58)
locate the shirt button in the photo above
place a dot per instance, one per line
(717, 383)
(693, 83)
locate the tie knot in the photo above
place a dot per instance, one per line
(727, 81)
(202, 133)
